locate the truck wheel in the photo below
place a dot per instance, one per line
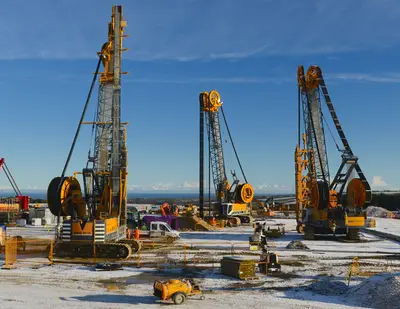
(179, 298)
(170, 239)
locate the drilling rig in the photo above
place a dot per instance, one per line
(95, 223)
(322, 205)
(233, 200)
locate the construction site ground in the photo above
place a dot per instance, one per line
(311, 278)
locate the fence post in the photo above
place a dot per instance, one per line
(138, 259)
(51, 252)
(184, 255)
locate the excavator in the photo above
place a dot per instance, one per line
(322, 205)
(233, 200)
(167, 209)
(95, 221)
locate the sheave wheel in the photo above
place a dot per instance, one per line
(179, 298)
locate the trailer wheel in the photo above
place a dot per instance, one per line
(179, 298)
(299, 229)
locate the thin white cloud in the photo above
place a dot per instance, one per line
(366, 77)
(175, 30)
(228, 80)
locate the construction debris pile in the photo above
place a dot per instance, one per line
(328, 287)
(297, 244)
(379, 212)
(380, 291)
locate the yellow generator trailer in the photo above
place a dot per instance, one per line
(177, 290)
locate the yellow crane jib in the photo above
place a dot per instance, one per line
(107, 51)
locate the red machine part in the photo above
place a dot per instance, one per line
(167, 209)
(23, 200)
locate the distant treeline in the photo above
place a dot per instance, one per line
(388, 201)
(37, 201)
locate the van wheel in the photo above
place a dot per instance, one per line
(179, 298)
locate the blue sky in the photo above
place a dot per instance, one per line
(247, 50)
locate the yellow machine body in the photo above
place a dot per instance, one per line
(354, 221)
(170, 289)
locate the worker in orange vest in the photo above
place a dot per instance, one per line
(213, 221)
(137, 233)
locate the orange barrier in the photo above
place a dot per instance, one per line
(19, 251)
(10, 252)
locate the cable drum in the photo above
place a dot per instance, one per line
(320, 195)
(356, 193)
(245, 192)
(56, 199)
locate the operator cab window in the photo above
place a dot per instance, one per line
(163, 228)
(154, 226)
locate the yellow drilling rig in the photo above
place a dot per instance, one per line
(95, 221)
(233, 200)
(323, 206)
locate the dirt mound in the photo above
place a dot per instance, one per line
(328, 287)
(380, 291)
(296, 244)
(374, 211)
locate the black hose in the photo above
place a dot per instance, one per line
(80, 123)
(233, 145)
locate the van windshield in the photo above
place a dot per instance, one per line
(164, 227)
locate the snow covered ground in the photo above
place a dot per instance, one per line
(75, 286)
(64, 286)
(391, 226)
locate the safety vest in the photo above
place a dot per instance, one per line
(137, 234)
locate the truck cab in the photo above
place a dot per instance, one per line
(158, 229)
